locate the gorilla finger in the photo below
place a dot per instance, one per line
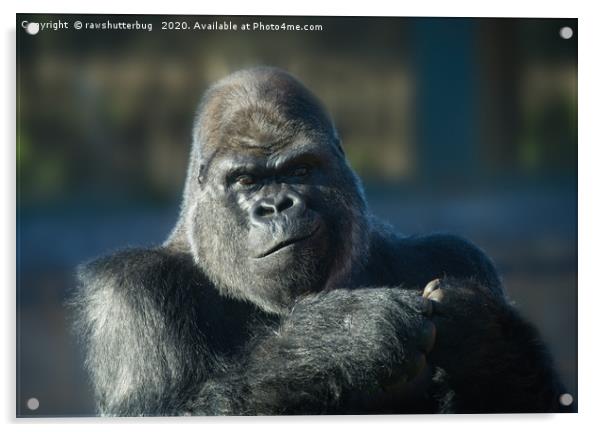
(430, 287)
(399, 375)
(427, 336)
(405, 372)
(416, 364)
(426, 307)
(437, 296)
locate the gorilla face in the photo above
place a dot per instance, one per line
(272, 209)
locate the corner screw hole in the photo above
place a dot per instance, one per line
(33, 404)
(566, 399)
(566, 32)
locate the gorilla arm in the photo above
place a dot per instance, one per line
(331, 345)
(160, 340)
(135, 312)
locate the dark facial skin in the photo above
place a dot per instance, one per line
(275, 194)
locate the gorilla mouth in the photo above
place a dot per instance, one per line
(281, 245)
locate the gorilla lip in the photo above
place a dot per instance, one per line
(290, 241)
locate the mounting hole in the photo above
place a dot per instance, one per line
(566, 399)
(33, 404)
(566, 32)
(32, 28)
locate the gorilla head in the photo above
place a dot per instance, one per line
(271, 208)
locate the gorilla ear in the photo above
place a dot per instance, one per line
(202, 171)
(205, 161)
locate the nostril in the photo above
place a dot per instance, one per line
(264, 210)
(286, 203)
(271, 207)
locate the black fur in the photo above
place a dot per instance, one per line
(215, 322)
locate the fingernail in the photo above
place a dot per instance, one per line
(430, 287)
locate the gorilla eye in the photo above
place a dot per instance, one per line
(300, 171)
(246, 180)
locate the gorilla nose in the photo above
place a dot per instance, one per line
(289, 204)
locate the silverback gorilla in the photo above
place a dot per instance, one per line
(278, 292)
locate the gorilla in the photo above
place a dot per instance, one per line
(278, 292)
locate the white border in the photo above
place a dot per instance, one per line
(590, 141)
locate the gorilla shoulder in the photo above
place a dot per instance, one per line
(460, 258)
(136, 266)
(413, 261)
(122, 278)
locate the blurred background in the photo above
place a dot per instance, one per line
(467, 126)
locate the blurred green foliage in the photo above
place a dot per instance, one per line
(110, 112)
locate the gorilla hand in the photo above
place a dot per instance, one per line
(385, 330)
(467, 317)
(482, 341)
(330, 346)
